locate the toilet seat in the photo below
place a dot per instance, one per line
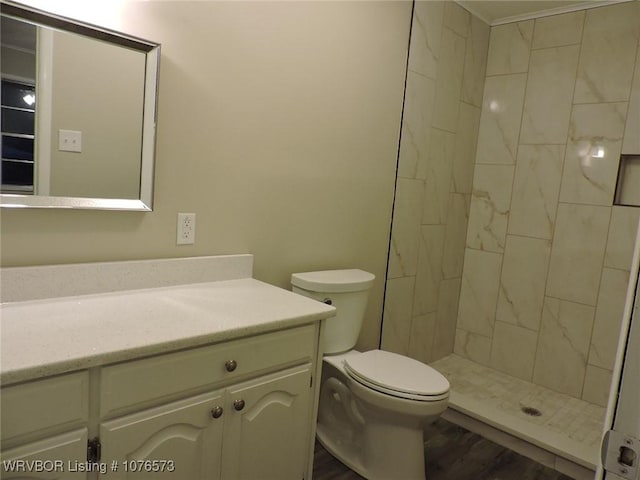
(397, 375)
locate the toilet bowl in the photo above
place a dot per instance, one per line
(373, 405)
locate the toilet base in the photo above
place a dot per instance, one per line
(388, 453)
(350, 459)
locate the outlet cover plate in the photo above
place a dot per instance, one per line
(186, 229)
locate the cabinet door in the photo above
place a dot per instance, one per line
(61, 458)
(180, 440)
(267, 427)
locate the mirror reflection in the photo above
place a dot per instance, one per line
(18, 90)
(78, 114)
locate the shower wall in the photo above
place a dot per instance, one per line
(547, 253)
(443, 101)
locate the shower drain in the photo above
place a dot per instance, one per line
(534, 412)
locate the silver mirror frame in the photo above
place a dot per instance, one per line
(150, 113)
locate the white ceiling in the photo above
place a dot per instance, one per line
(496, 12)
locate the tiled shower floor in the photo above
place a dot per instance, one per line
(567, 427)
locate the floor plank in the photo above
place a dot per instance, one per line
(452, 453)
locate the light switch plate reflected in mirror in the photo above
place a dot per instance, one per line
(69, 141)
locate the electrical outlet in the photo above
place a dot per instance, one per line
(186, 234)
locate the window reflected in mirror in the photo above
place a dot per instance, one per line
(18, 93)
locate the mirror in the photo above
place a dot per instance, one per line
(78, 114)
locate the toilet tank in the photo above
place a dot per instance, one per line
(348, 291)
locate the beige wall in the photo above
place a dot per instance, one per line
(548, 256)
(440, 126)
(98, 89)
(278, 126)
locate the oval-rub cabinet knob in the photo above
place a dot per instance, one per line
(230, 365)
(216, 412)
(238, 404)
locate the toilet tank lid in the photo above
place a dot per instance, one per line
(333, 281)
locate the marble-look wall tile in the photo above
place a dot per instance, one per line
(439, 168)
(396, 322)
(426, 33)
(597, 383)
(577, 253)
(631, 140)
(522, 285)
(475, 62)
(429, 273)
(465, 148)
(513, 350)
(536, 187)
(609, 312)
(558, 30)
(489, 211)
(479, 291)
(445, 331)
(548, 101)
(561, 358)
(509, 47)
(622, 235)
(473, 346)
(593, 153)
(609, 44)
(455, 236)
(405, 231)
(416, 123)
(421, 339)
(500, 119)
(456, 18)
(449, 82)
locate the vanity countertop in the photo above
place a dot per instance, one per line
(47, 337)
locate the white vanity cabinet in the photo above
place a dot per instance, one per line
(266, 431)
(258, 429)
(60, 457)
(240, 409)
(183, 369)
(173, 441)
(252, 421)
(44, 428)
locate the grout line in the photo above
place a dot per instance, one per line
(437, 326)
(600, 103)
(595, 308)
(526, 72)
(515, 167)
(570, 301)
(467, 207)
(558, 202)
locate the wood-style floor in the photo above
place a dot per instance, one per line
(452, 453)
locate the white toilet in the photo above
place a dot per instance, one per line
(373, 405)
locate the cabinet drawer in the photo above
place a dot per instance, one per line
(44, 404)
(143, 381)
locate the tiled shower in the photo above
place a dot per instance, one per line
(507, 248)
(442, 111)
